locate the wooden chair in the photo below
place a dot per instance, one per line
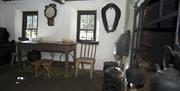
(87, 56)
(14, 59)
(23, 55)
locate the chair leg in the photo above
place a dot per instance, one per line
(36, 68)
(92, 71)
(77, 69)
(82, 66)
(12, 60)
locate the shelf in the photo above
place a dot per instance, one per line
(149, 2)
(163, 18)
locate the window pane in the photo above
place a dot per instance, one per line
(89, 35)
(86, 35)
(82, 35)
(91, 22)
(28, 33)
(83, 21)
(34, 25)
(33, 34)
(28, 25)
(35, 18)
(87, 22)
(29, 18)
(86, 25)
(34, 21)
(31, 24)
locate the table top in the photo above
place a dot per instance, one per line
(47, 42)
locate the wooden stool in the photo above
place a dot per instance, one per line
(47, 64)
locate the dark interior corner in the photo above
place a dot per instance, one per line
(156, 46)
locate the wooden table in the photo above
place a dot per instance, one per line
(52, 46)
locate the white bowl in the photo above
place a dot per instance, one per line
(35, 39)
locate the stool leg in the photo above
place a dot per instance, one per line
(48, 69)
(36, 69)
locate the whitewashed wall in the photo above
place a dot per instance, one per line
(1, 14)
(65, 22)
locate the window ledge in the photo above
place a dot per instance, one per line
(88, 41)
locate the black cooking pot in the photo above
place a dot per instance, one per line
(113, 73)
(165, 80)
(33, 55)
(112, 79)
(134, 75)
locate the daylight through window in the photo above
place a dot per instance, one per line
(86, 29)
(30, 24)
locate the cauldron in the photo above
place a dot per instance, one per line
(113, 73)
(134, 75)
(112, 79)
(33, 55)
(165, 80)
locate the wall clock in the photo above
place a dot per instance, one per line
(50, 13)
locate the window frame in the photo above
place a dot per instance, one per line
(24, 22)
(86, 12)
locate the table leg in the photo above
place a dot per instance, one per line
(19, 58)
(74, 58)
(66, 60)
(66, 63)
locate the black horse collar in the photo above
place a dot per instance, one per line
(116, 19)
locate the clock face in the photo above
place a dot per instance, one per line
(50, 12)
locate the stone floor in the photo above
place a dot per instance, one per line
(12, 79)
(9, 80)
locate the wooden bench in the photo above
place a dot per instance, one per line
(46, 63)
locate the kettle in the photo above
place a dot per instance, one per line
(167, 79)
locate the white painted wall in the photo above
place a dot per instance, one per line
(1, 14)
(65, 22)
(3, 11)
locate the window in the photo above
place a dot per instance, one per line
(86, 26)
(30, 24)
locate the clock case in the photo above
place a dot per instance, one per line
(50, 20)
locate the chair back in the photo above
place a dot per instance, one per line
(88, 49)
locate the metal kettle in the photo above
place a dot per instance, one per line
(167, 79)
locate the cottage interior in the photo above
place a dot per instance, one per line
(137, 45)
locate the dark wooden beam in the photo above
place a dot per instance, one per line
(173, 14)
